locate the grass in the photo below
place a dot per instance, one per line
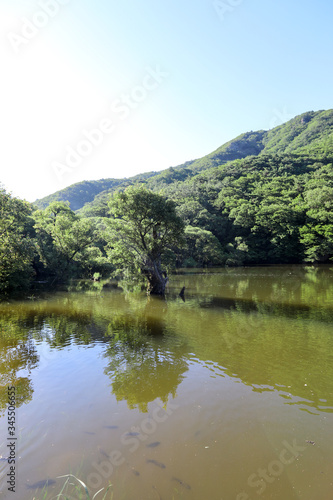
(80, 489)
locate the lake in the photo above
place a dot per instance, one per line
(226, 395)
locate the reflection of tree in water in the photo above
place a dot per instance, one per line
(291, 291)
(141, 368)
(17, 353)
(62, 324)
(268, 352)
(24, 325)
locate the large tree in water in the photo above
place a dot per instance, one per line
(144, 228)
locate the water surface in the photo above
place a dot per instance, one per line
(226, 395)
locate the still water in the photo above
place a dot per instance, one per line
(226, 395)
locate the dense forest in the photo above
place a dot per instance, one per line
(264, 198)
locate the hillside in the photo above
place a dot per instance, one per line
(309, 134)
(80, 193)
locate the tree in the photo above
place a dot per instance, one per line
(144, 227)
(203, 248)
(16, 245)
(317, 233)
(63, 240)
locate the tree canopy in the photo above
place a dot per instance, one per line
(144, 231)
(17, 248)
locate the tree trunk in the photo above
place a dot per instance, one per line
(157, 279)
(156, 284)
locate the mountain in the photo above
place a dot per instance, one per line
(309, 134)
(78, 194)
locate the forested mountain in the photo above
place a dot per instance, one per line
(308, 134)
(78, 194)
(84, 192)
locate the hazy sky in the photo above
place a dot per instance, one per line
(94, 89)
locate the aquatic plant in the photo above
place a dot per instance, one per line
(81, 495)
(79, 491)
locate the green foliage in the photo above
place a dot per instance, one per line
(202, 248)
(16, 244)
(317, 232)
(65, 242)
(143, 226)
(310, 133)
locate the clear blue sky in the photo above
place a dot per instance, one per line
(166, 81)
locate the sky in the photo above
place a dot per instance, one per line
(94, 89)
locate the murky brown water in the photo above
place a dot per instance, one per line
(228, 395)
